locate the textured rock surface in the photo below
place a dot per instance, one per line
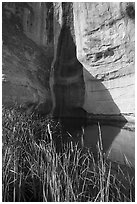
(95, 42)
(68, 85)
(105, 39)
(35, 20)
(26, 66)
(93, 65)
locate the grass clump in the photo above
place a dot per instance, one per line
(33, 169)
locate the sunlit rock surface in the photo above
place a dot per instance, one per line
(105, 41)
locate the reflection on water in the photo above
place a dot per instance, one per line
(119, 144)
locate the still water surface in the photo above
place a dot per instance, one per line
(119, 144)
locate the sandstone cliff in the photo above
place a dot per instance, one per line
(105, 37)
(94, 61)
(93, 64)
(27, 56)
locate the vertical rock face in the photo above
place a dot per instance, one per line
(27, 55)
(37, 23)
(94, 42)
(105, 41)
(68, 85)
(93, 63)
(35, 20)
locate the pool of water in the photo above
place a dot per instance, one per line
(118, 143)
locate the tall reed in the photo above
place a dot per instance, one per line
(32, 169)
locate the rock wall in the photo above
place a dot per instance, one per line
(35, 20)
(100, 49)
(93, 64)
(105, 41)
(27, 55)
(68, 85)
(38, 25)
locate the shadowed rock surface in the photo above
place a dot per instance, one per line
(26, 58)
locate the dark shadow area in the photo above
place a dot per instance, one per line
(68, 79)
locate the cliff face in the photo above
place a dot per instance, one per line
(105, 39)
(94, 66)
(93, 63)
(27, 55)
(68, 84)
